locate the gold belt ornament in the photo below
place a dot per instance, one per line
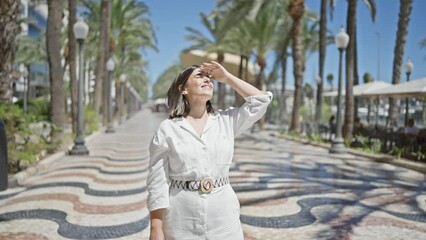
(206, 185)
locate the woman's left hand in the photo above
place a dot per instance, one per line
(216, 71)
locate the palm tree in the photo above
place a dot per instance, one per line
(159, 90)
(308, 91)
(101, 15)
(72, 9)
(9, 29)
(125, 32)
(322, 54)
(351, 63)
(350, 51)
(131, 31)
(214, 43)
(57, 91)
(239, 41)
(367, 79)
(330, 79)
(401, 34)
(30, 50)
(296, 10)
(281, 50)
(263, 30)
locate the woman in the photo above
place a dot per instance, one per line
(189, 196)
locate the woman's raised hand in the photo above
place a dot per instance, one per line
(215, 71)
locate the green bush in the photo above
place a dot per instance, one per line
(40, 108)
(419, 155)
(397, 151)
(315, 138)
(91, 121)
(20, 148)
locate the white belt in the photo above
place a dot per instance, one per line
(205, 185)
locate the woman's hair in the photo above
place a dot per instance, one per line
(176, 101)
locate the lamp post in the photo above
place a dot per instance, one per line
(81, 30)
(123, 78)
(337, 146)
(409, 66)
(110, 65)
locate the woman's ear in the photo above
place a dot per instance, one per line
(183, 90)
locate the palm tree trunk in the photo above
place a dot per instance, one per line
(284, 56)
(401, 34)
(57, 91)
(259, 85)
(356, 76)
(296, 9)
(350, 50)
(322, 52)
(238, 100)
(101, 60)
(220, 91)
(72, 65)
(9, 28)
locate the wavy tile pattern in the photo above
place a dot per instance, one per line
(287, 190)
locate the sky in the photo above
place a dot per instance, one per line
(376, 40)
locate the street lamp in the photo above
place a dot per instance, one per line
(337, 146)
(110, 65)
(123, 78)
(81, 30)
(409, 66)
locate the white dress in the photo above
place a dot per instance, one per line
(176, 152)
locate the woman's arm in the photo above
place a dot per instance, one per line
(157, 185)
(157, 224)
(220, 74)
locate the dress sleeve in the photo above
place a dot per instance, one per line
(251, 111)
(157, 181)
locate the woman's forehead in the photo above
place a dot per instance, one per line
(195, 72)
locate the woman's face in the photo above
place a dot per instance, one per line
(198, 85)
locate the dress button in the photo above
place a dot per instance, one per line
(205, 148)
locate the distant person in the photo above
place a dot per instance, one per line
(360, 124)
(410, 129)
(189, 195)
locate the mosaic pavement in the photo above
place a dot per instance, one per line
(287, 190)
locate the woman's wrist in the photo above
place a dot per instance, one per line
(156, 234)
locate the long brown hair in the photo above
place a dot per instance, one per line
(176, 101)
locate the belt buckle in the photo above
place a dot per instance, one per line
(206, 185)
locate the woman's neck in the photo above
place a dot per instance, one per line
(198, 111)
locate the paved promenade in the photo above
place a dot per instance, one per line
(287, 190)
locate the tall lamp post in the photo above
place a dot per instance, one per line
(110, 65)
(409, 66)
(81, 30)
(341, 40)
(123, 78)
